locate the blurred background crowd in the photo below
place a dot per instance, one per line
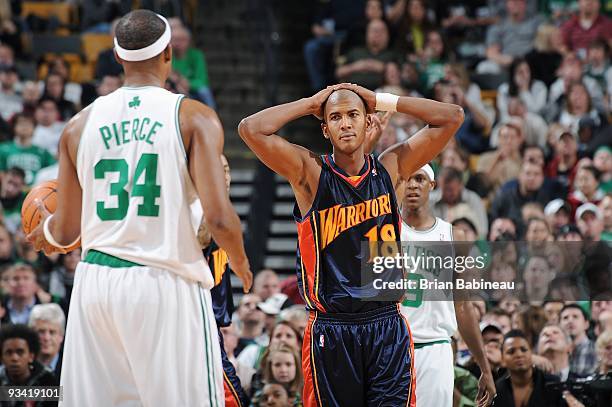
(532, 161)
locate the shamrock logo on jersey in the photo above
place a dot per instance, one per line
(135, 102)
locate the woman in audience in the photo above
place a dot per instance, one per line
(604, 351)
(410, 38)
(577, 106)
(531, 91)
(282, 333)
(586, 187)
(55, 86)
(545, 58)
(530, 319)
(282, 364)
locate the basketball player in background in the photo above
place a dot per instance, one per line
(432, 320)
(222, 302)
(356, 351)
(141, 328)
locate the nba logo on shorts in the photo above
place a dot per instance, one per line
(321, 341)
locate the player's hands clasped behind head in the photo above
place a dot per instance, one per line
(37, 236)
(242, 269)
(318, 100)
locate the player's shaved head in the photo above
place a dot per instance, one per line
(139, 29)
(343, 95)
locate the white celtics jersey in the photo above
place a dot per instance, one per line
(433, 320)
(137, 191)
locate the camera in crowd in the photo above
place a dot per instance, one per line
(592, 391)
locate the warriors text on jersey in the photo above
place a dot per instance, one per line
(346, 212)
(137, 190)
(430, 320)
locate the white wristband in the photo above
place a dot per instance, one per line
(49, 236)
(386, 102)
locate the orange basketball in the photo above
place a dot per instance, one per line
(46, 192)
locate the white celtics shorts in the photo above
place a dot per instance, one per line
(435, 375)
(140, 336)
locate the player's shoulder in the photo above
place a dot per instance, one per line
(77, 123)
(193, 108)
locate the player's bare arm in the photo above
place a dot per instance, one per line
(470, 332)
(203, 139)
(443, 119)
(300, 166)
(65, 225)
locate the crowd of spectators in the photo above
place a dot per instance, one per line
(35, 290)
(532, 163)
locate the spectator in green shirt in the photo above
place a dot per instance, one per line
(21, 153)
(12, 195)
(189, 62)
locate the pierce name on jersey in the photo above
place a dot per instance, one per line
(139, 202)
(138, 129)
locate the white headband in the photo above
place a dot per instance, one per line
(147, 52)
(429, 171)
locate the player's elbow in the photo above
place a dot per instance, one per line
(247, 128)
(456, 115)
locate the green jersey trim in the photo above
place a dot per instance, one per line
(425, 344)
(103, 259)
(178, 125)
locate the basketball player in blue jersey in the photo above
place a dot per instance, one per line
(222, 302)
(432, 320)
(356, 352)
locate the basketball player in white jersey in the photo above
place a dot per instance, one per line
(141, 330)
(433, 322)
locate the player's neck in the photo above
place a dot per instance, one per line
(350, 163)
(138, 79)
(419, 218)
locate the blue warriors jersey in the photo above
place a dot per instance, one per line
(221, 293)
(346, 212)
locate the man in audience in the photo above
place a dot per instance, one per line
(513, 37)
(48, 128)
(12, 195)
(189, 62)
(451, 193)
(557, 214)
(492, 338)
(333, 21)
(555, 346)
(108, 84)
(106, 63)
(590, 221)
(366, 66)
(499, 318)
(49, 322)
(530, 186)
(251, 321)
(10, 101)
(552, 309)
(502, 229)
(575, 323)
(22, 296)
(21, 152)
(266, 284)
(19, 347)
(30, 93)
(571, 71)
(586, 26)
